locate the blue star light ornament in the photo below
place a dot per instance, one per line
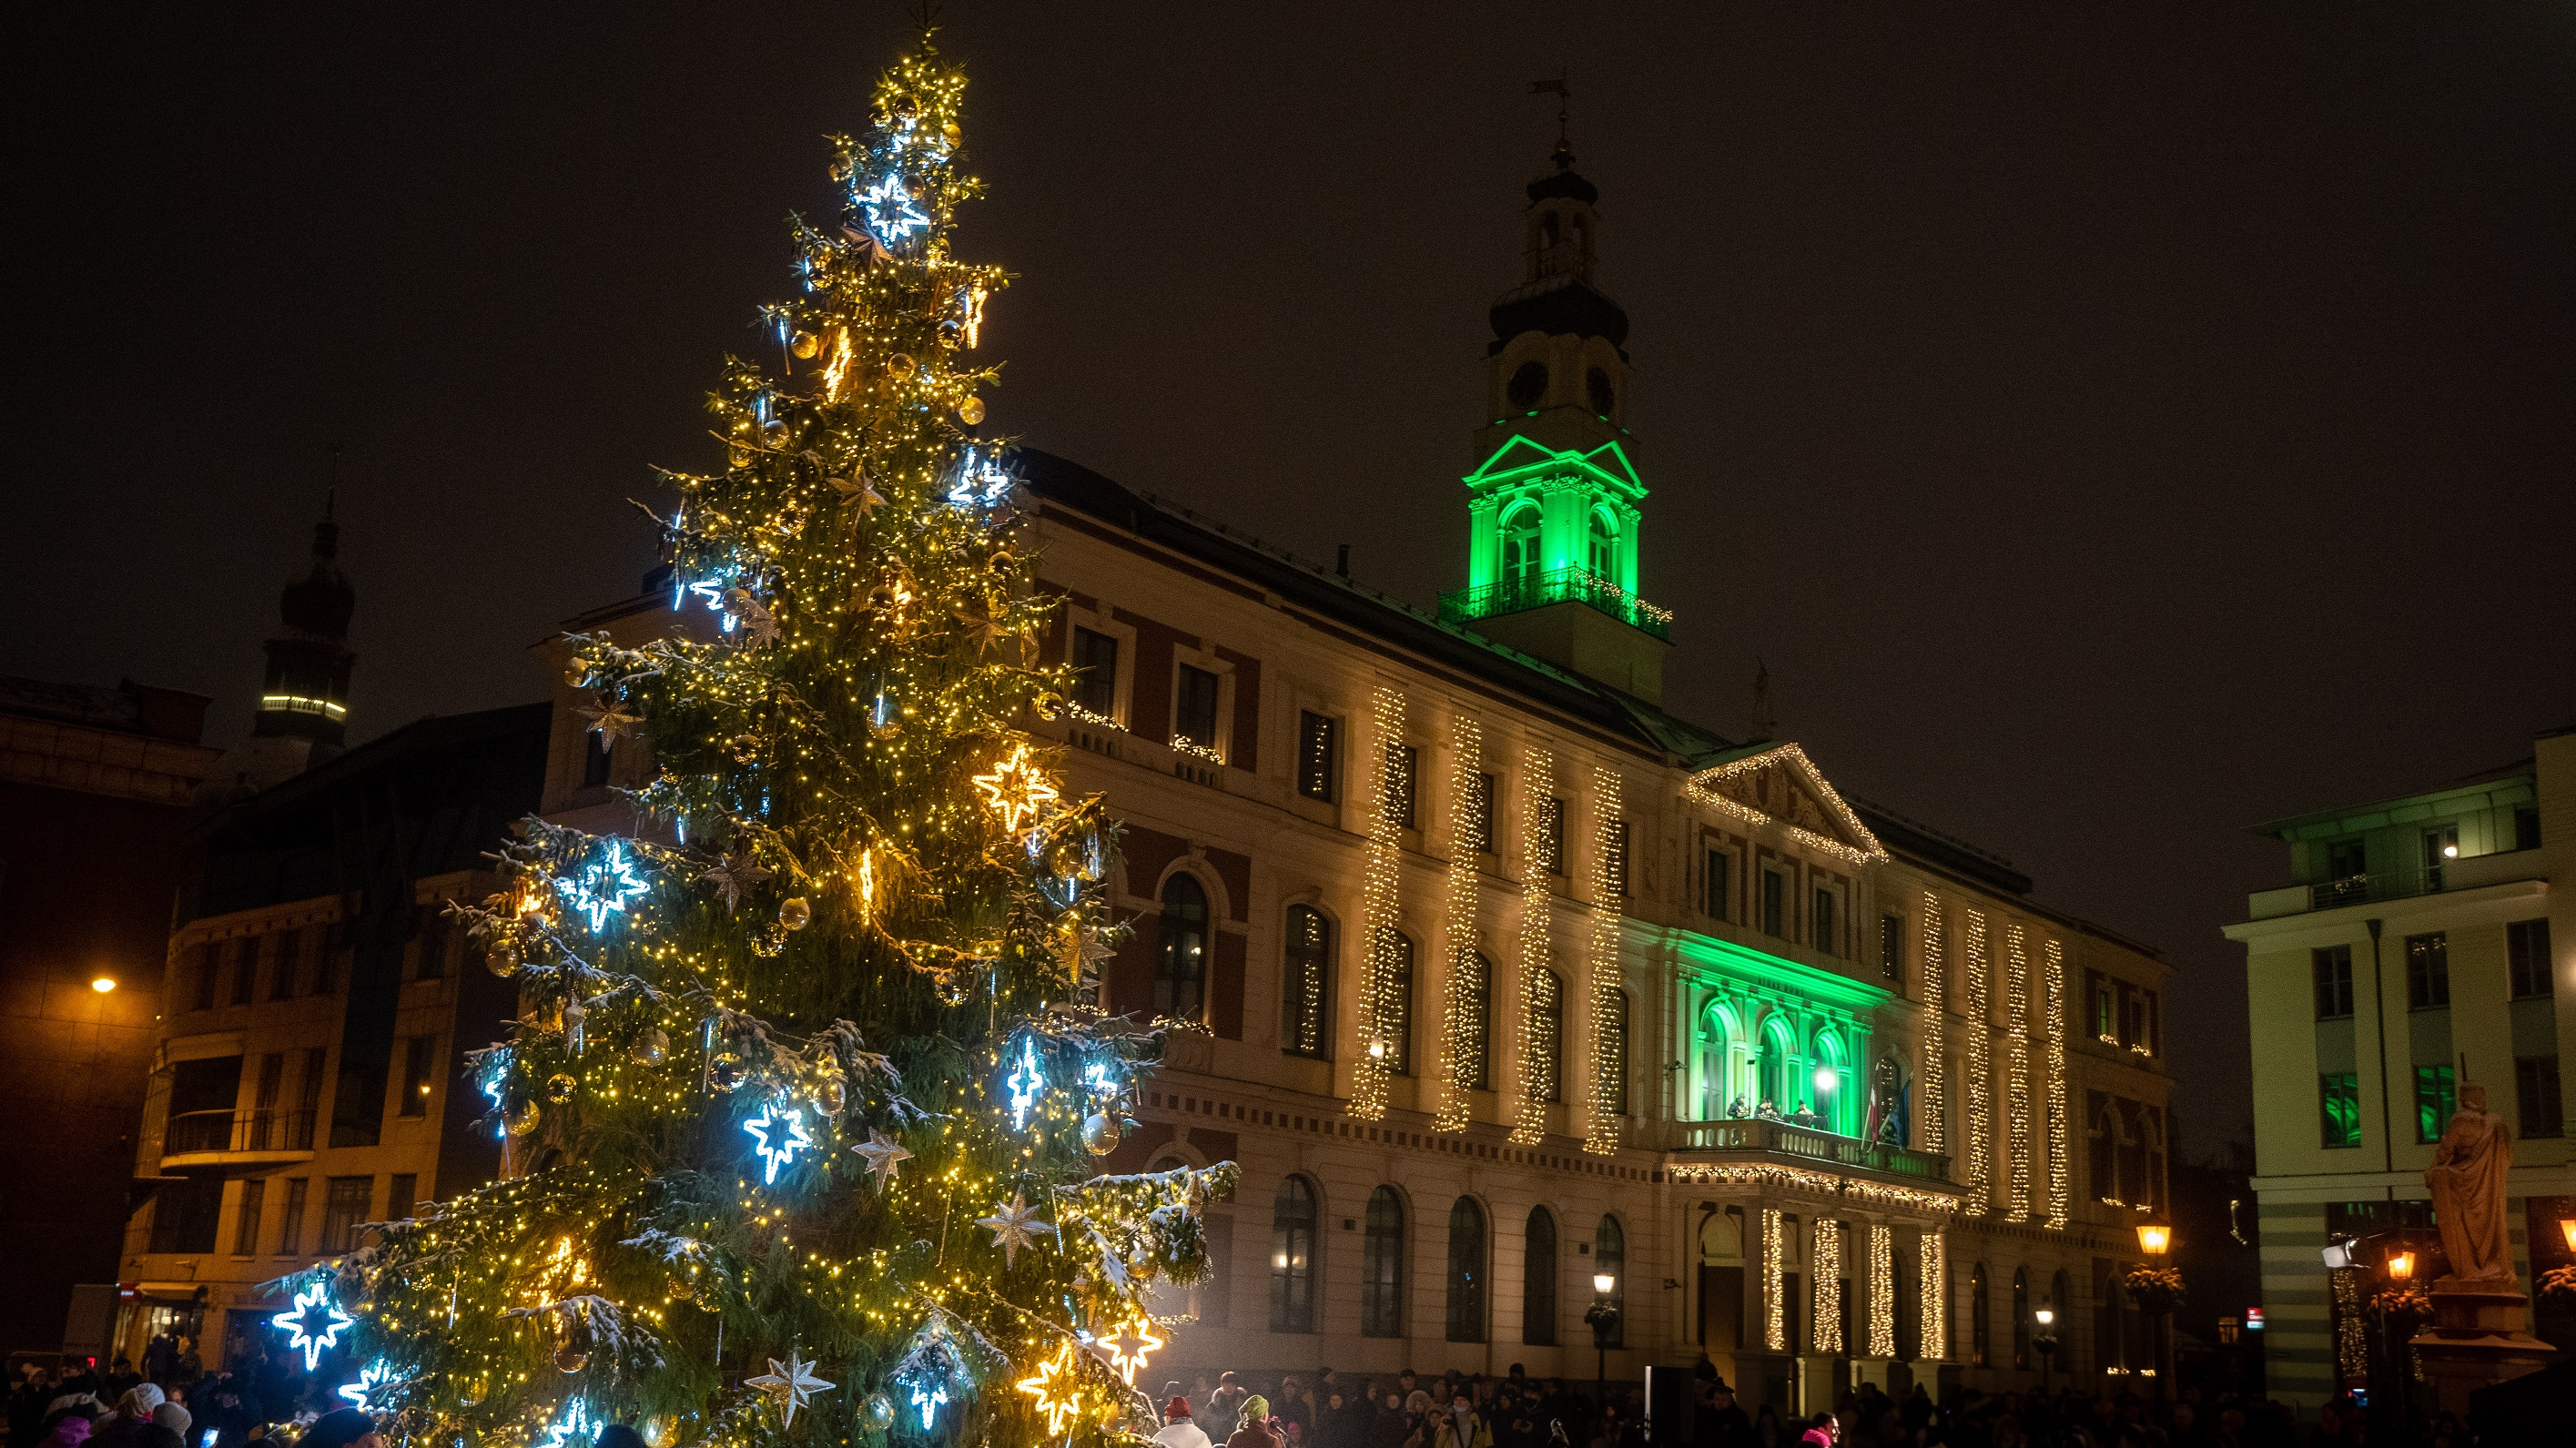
(573, 1422)
(891, 212)
(777, 1134)
(376, 1375)
(603, 888)
(1026, 1082)
(929, 1398)
(313, 1324)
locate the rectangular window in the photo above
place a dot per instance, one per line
(345, 1202)
(309, 1104)
(265, 1134)
(186, 1213)
(1614, 857)
(1406, 800)
(290, 959)
(1305, 999)
(2339, 1109)
(2535, 1089)
(2097, 998)
(595, 751)
(1194, 707)
(1095, 665)
(2428, 972)
(1551, 834)
(1775, 894)
(2153, 1037)
(1480, 815)
(208, 962)
(403, 1197)
(1829, 937)
(1718, 885)
(420, 1060)
(2331, 966)
(2526, 953)
(433, 941)
(290, 1220)
(1319, 753)
(1891, 947)
(2526, 827)
(2345, 860)
(2437, 1097)
(245, 971)
(254, 1195)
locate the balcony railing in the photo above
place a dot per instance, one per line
(2468, 872)
(1563, 585)
(1809, 1146)
(206, 1132)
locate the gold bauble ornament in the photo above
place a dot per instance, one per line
(740, 457)
(806, 344)
(832, 1095)
(652, 1047)
(519, 1116)
(502, 958)
(795, 913)
(656, 1430)
(900, 364)
(948, 132)
(561, 1087)
(571, 1359)
(971, 411)
(577, 673)
(1099, 1134)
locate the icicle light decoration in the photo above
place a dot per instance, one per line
(1379, 1007)
(2053, 1010)
(1609, 1048)
(1932, 1124)
(1775, 1283)
(1882, 1291)
(1977, 1083)
(1538, 785)
(2021, 1205)
(1462, 1024)
(1935, 1346)
(1825, 1265)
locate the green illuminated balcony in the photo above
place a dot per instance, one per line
(1562, 585)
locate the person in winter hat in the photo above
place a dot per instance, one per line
(174, 1418)
(1177, 1430)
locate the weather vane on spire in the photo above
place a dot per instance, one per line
(1563, 90)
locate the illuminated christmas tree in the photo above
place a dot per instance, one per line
(806, 1127)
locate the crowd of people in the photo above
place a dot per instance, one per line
(172, 1401)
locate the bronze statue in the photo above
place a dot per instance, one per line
(2467, 1178)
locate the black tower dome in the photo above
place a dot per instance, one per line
(307, 688)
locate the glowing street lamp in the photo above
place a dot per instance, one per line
(1604, 1321)
(2045, 1341)
(2154, 1238)
(2401, 1266)
(103, 984)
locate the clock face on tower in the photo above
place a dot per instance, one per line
(1528, 385)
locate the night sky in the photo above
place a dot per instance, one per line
(2112, 430)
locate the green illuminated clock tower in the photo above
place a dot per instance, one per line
(1553, 505)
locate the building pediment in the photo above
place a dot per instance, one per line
(1778, 784)
(1520, 456)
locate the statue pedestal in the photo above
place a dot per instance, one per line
(2476, 1341)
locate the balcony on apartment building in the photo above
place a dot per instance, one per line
(236, 1138)
(2467, 872)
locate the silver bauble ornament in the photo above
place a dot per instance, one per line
(880, 1412)
(833, 1095)
(652, 1047)
(1099, 1134)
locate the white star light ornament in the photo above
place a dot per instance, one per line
(1014, 1224)
(603, 888)
(573, 1422)
(1127, 1348)
(777, 1133)
(376, 1375)
(929, 1398)
(980, 483)
(1025, 1082)
(892, 216)
(313, 1324)
(792, 1383)
(885, 1155)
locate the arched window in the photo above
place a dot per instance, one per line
(1292, 1257)
(1305, 1007)
(1980, 1339)
(1596, 386)
(1382, 1267)
(1466, 1271)
(2061, 1300)
(1476, 1029)
(1395, 1008)
(2021, 1317)
(1614, 1054)
(1547, 1038)
(1180, 966)
(1527, 385)
(1547, 230)
(1603, 547)
(1610, 1255)
(1538, 1279)
(1771, 1068)
(1520, 530)
(1715, 1045)
(1826, 1081)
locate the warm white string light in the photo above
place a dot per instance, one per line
(1933, 1123)
(1977, 1084)
(1705, 787)
(1882, 1291)
(1935, 1346)
(1823, 1184)
(1538, 786)
(2021, 1204)
(1775, 1317)
(1463, 1028)
(1379, 1009)
(1609, 1057)
(1825, 1265)
(2053, 1010)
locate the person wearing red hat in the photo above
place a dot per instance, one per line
(1177, 1430)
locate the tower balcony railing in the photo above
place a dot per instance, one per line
(1561, 585)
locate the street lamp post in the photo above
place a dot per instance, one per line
(1604, 1321)
(2155, 1239)
(2046, 1341)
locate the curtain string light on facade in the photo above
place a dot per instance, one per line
(1601, 1137)
(1825, 1265)
(1977, 1083)
(1932, 1126)
(2053, 1010)
(2023, 1203)
(1378, 1006)
(1538, 786)
(1462, 1027)
(1935, 1346)
(1775, 1272)
(1882, 1291)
